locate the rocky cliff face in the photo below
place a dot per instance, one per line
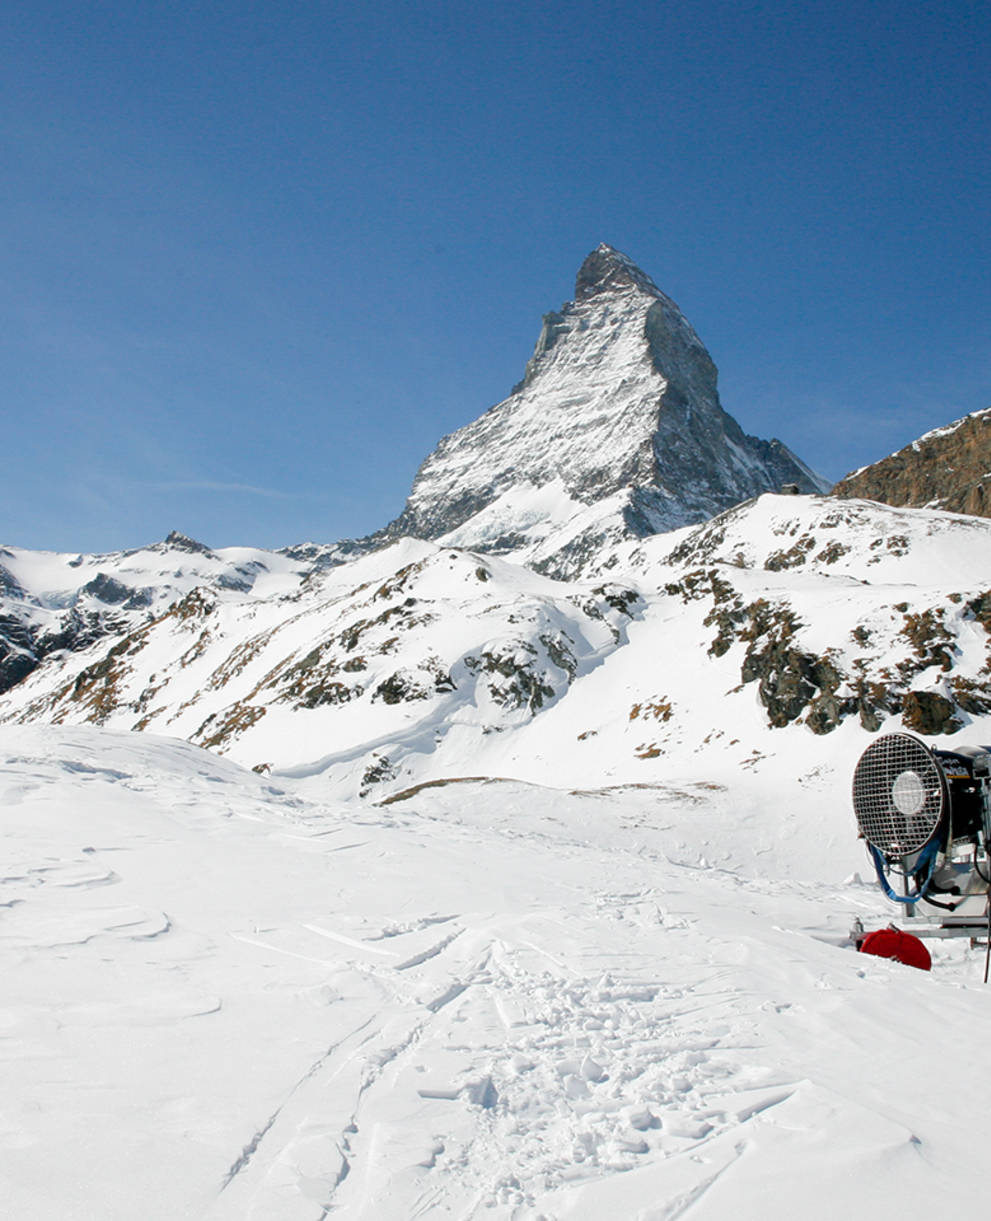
(949, 468)
(616, 430)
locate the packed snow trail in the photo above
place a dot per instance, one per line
(226, 999)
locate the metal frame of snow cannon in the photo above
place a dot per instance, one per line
(925, 816)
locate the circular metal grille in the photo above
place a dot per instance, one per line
(899, 794)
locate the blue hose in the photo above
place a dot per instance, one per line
(927, 860)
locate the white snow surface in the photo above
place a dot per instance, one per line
(230, 998)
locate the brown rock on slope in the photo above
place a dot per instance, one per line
(949, 468)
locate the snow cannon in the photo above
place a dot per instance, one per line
(926, 817)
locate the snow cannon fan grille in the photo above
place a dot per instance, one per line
(899, 794)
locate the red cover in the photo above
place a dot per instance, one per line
(902, 947)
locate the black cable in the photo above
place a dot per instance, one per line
(947, 907)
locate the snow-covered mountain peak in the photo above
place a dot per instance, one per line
(615, 431)
(51, 603)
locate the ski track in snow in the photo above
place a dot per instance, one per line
(469, 1014)
(522, 1036)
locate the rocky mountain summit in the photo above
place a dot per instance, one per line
(948, 468)
(615, 431)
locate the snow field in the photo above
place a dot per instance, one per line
(228, 999)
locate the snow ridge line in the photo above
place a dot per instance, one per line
(682, 1203)
(429, 953)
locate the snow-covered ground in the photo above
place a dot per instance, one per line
(225, 998)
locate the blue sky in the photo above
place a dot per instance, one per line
(258, 258)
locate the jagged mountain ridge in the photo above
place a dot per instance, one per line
(52, 603)
(615, 431)
(410, 623)
(947, 468)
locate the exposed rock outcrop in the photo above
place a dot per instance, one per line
(949, 468)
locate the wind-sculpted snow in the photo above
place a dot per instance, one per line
(227, 998)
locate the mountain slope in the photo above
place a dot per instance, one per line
(948, 468)
(410, 626)
(783, 623)
(615, 431)
(52, 604)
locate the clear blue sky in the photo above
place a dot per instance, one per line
(258, 258)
